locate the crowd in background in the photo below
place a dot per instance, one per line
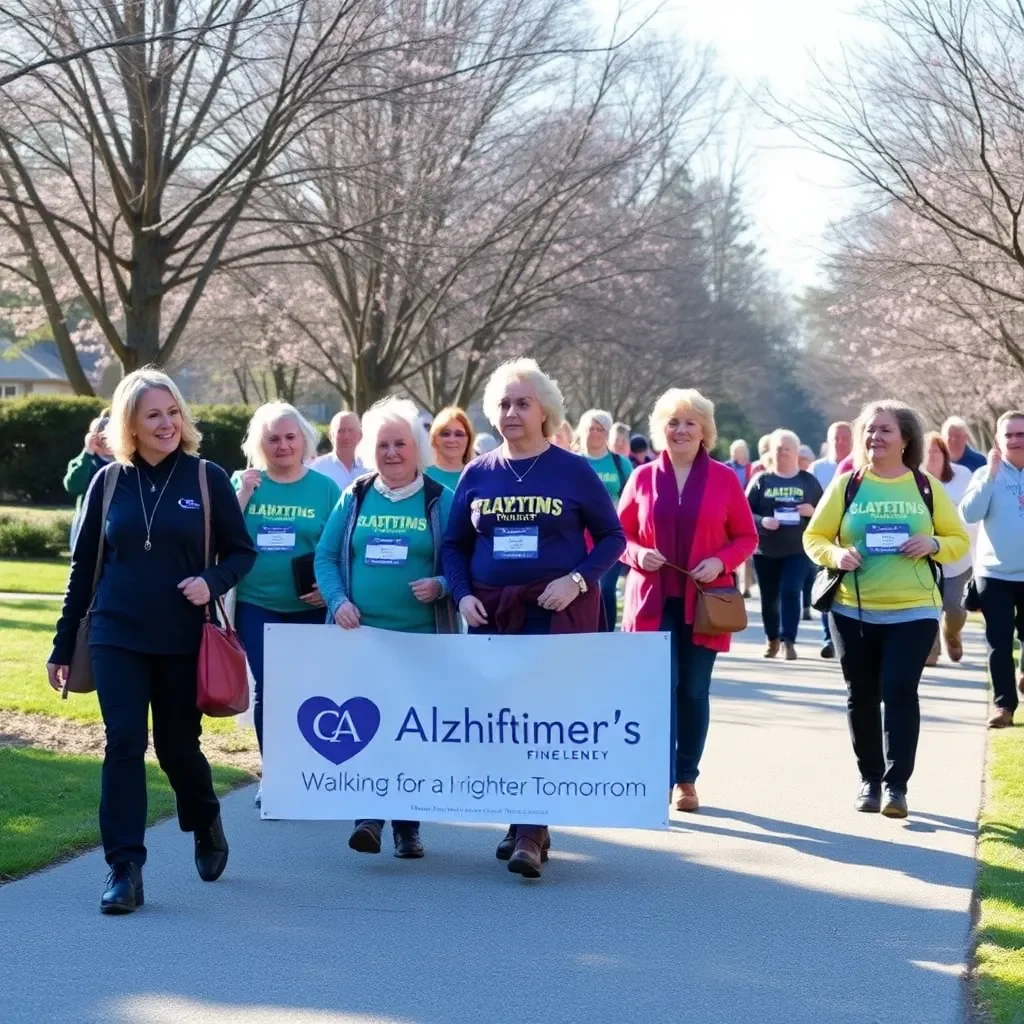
(424, 525)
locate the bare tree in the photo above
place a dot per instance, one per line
(472, 208)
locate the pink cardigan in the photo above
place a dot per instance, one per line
(725, 530)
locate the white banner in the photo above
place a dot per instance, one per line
(549, 730)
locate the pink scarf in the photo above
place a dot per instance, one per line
(675, 515)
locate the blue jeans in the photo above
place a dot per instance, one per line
(782, 582)
(610, 597)
(249, 622)
(691, 687)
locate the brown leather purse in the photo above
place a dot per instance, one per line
(719, 609)
(222, 681)
(79, 678)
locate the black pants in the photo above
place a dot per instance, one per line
(1002, 604)
(128, 684)
(782, 583)
(883, 666)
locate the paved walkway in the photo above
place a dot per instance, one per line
(777, 903)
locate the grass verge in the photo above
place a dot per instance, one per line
(48, 805)
(26, 637)
(39, 513)
(999, 957)
(33, 577)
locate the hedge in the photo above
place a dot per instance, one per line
(34, 538)
(40, 434)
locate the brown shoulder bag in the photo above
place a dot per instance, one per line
(719, 609)
(79, 678)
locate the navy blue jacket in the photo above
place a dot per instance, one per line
(138, 604)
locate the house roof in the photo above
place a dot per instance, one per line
(37, 363)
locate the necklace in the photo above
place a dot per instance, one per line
(149, 519)
(152, 486)
(520, 479)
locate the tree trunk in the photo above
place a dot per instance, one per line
(145, 299)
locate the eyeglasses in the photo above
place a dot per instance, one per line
(459, 434)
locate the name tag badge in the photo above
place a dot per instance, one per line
(787, 515)
(386, 551)
(886, 538)
(516, 542)
(275, 538)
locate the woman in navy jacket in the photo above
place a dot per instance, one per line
(147, 621)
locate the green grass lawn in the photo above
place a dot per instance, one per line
(48, 805)
(26, 638)
(22, 576)
(1000, 952)
(44, 513)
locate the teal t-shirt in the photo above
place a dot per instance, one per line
(284, 522)
(391, 547)
(607, 469)
(448, 477)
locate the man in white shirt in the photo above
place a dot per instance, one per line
(341, 464)
(840, 444)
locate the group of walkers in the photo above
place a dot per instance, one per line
(404, 526)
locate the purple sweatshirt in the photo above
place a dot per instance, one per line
(503, 532)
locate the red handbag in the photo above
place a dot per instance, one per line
(222, 682)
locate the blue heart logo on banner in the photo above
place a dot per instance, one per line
(338, 731)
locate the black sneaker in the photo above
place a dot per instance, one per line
(408, 845)
(869, 799)
(828, 649)
(895, 805)
(365, 837)
(124, 889)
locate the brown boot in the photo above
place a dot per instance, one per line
(684, 797)
(791, 654)
(771, 649)
(1001, 719)
(507, 845)
(528, 857)
(954, 645)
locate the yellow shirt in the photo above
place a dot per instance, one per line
(885, 508)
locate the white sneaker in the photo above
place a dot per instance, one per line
(258, 802)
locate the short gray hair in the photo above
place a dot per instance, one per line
(548, 393)
(777, 437)
(956, 421)
(393, 410)
(739, 445)
(589, 417)
(263, 419)
(332, 430)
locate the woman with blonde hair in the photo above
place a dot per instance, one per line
(389, 581)
(782, 500)
(530, 573)
(156, 583)
(286, 505)
(687, 525)
(451, 439)
(883, 528)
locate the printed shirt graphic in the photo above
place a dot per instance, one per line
(392, 547)
(547, 512)
(608, 473)
(888, 581)
(284, 522)
(771, 495)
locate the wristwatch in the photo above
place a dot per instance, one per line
(580, 582)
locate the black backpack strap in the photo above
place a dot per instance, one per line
(361, 488)
(623, 475)
(432, 491)
(924, 487)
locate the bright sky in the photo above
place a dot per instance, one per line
(791, 193)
